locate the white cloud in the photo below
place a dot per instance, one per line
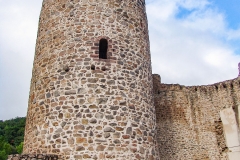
(18, 30)
(193, 50)
(191, 4)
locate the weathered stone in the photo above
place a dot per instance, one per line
(76, 106)
(132, 107)
(78, 157)
(114, 107)
(92, 80)
(138, 131)
(81, 140)
(106, 135)
(70, 92)
(109, 129)
(102, 101)
(90, 140)
(48, 95)
(80, 148)
(60, 116)
(81, 90)
(120, 62)
(79, 115)
(100, 140)
(56, 136)
(56, 93)
(116, 135)
(113, 124)
(79, 127)
(117, 141)
(84, 121)
(91, 100)
(142, 150)
(125, 136)
(93, 107)
(59, 130)
(119, 128)
(100, 148)
(111, 82)
(85, 156)
(63, 124)
(134, 150)
(109, 117)
(81, 101)
(123, 103)
(93, 86)
(129, 130)
(70, 141)
(93, 121)
(99, 115)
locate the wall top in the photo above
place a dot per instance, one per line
(238, 69)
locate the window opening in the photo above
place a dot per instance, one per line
(103, 47)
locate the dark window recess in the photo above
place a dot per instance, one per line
(103, 47)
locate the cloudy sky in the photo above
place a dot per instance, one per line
(193, 42)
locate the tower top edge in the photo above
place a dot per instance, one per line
(138, 1)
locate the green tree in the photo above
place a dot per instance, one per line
(3, 155)
(13, 130)
(7, 148)
(20, 148)
(11, 137)
(2, 141)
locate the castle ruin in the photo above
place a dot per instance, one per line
(93, 95)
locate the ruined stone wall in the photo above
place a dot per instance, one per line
(83, 107)
(34, 157)
(188, 119)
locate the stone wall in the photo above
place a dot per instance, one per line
(85, 107)
(188, 119)
(35, 157)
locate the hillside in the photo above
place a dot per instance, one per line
(11, 136)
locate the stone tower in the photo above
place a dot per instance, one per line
(91, 88)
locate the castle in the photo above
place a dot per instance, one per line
(93, 95)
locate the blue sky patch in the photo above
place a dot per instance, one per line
(183, 12)
(231, 9)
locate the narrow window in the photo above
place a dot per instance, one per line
(103, 47)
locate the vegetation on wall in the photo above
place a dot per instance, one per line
(11, 137)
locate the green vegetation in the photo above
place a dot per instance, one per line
(11, 137)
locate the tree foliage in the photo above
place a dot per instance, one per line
(11, 136)
(20, 148)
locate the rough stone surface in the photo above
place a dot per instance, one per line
(85, 107)
(188, 119)
(35, 157)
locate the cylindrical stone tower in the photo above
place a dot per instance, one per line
(91, 89)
